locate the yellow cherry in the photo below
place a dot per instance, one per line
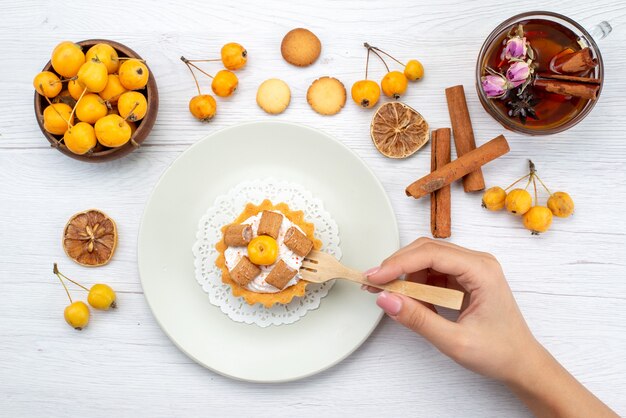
(90, 108)
(77, 315)
(106, 54)
(234, 56)
(224, 83)
(493, 198)
(67, 58)
(112, 131)
(56, 117)
(518, 201)
(113, 90)
(414, 70)
(561, 204)
(132, 106)
(203, 107)
(365, 93)
(133, 74)
(80, 138)
(537, 219)
(47, 84)
(394, 84)
(93, 75)
(263, 250)
(101, 296)
(75, 89)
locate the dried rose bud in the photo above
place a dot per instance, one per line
(518, 73)
(494, 86)
(516, 47)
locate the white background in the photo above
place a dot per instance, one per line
(570, 282)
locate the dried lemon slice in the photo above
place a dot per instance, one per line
(398, 131)
(90, 238)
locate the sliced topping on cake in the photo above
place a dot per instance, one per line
(280, 275)
(237, 235)
(244, 272)
(270, 224)
(297, 242)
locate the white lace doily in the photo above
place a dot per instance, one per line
(228, 207)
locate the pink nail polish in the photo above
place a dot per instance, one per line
(389, 303)
(372, 271)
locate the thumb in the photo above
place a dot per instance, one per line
(414, 315)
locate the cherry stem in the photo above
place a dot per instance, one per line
(56, 272)
(56, 110)
(74, 109)
(529, 180)
(207, 60)
(131, 111)
(129, 58)
(367, 62)
(63, 80)
(544, 186)
(517, 181)
(186, 61)
(535, 187)
(380, 50)
(371, 48)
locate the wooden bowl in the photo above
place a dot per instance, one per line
(101, 153)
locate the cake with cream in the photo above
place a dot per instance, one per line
(261, 253)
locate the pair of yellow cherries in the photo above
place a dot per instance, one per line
(100, 296)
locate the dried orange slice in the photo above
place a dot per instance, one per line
(398, 130)
(90, 238)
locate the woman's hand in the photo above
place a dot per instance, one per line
(490, 333)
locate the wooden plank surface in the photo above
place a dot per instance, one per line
(570, 283)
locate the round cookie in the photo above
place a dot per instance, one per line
(326, 95)
(273, 96)
(300, 47)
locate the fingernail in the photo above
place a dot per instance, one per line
(389, 303)
(363, 287)
(371, 271)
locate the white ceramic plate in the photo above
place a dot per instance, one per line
(350, 192)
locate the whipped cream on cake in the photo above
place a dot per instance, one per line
(234, 254)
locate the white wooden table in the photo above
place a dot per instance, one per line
(570, 283)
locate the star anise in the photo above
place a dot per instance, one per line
(522, 105)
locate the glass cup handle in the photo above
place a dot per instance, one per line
(601, 30)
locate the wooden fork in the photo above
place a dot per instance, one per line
(320, 267)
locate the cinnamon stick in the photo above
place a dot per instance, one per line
(574, 62)
(464, 141)
(440, 217)
(589, 80)
(568, 88)
(458, 168)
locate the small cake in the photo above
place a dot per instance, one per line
(261, 253)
